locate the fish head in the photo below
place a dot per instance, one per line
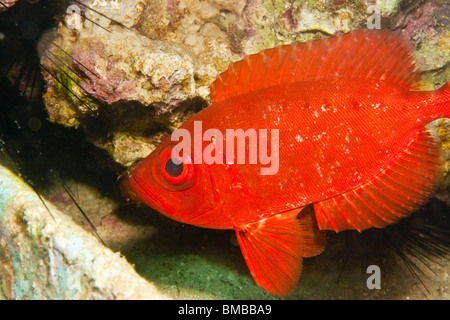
(170, 183)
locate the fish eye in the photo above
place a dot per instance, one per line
(175, 171)
(174, 167)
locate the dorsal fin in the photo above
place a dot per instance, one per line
(361, 54)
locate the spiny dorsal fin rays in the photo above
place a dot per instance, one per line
(361, 54)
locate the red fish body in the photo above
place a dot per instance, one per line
(353, 151)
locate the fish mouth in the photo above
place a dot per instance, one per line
(135, 189)
(148, 196)
(127, 192)
(144, 194)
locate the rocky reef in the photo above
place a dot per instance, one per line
(141, 68)
(127, 73)
(6, 4)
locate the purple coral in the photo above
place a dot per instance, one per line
(419, 21)
(289, 18)
(113, 84)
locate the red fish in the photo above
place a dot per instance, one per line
(353, 150)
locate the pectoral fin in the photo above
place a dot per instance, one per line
(273, 250)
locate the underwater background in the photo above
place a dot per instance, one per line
(87, 88)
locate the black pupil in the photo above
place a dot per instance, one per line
(174, 167)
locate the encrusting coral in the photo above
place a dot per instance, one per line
(141, 68)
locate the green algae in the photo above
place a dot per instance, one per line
(68, 99)
(388, 6)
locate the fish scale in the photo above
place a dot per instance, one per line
(353, 150)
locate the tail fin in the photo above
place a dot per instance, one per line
(437, 102)
(442, 101)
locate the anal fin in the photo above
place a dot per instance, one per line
(314, 239)
(273, 250)
(402, 187)
(274, 247)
